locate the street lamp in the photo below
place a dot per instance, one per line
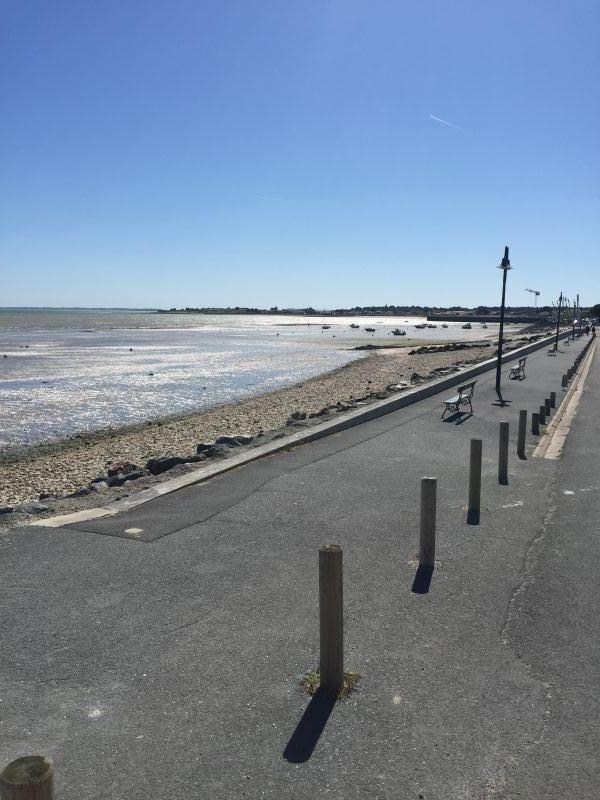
(504, 266)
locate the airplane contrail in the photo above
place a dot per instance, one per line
(444, 122)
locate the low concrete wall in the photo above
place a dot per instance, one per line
(381, 407)
(344, 421)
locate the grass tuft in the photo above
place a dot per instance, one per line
(312, 680)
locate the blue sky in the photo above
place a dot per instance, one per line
(278, 152)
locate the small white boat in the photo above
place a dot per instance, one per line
(484, 325)
(398, 332)
(445, 325)
(420, 327)
(354, 325)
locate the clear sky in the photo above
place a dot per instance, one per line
(287, 152)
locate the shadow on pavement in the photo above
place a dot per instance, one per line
(308, 731)
(458, 418)
(501, 400)
(422, 579)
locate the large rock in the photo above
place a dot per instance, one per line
(243, 438)
(229, 441)
(134, 475)
(80, 492)
(124, 467)
(33, 508)
(6, 509)
(116, 480)
(163, 463)
(218, 451)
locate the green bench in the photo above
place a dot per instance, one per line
(519, 370)
(463, 398)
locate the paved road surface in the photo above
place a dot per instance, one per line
(165, 662)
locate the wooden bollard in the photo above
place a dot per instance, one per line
(474, 482)
(565, 380)
(542, 415)
(331, 618)
(548, 404)
(503, 453)
(522, 434)
(535, 423)
(27, 778)
(553, 399)
(427, 527)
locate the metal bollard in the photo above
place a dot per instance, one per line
(565, 381)
(27, 778)
(522, 434)
(503, 453)
(331, 618)
(553, 399)
(427, 528)
(542, 415)
(474, 482)
(535, 424)
(548, 404)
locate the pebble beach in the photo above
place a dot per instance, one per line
(55, 470)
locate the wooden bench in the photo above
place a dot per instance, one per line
(519, 370)
(463, 398)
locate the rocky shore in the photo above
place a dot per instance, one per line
(91, 469)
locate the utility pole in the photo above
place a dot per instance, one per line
(560, 299)
(504, 266)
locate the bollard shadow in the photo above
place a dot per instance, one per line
(308, 731)
(458, 417)
(422, 579)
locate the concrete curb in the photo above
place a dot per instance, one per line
(343, 421)
(551, 444)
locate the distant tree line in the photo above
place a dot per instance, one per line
(380, 311)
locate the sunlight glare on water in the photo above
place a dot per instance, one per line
(75, 371)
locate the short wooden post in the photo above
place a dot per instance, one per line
(503, 454)
(542, 415)
(553, 399)
(565, 380)
(427, 529)
(331, 618)
(474, 482)
(27, 778)
(548, 404)
(535, 423)
(522, 434)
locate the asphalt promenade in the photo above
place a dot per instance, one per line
(158, 653)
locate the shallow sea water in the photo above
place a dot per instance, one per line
(71, 371)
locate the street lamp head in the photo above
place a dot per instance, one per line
(505, 263)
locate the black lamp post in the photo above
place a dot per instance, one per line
(504, 266)
(560, 300)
